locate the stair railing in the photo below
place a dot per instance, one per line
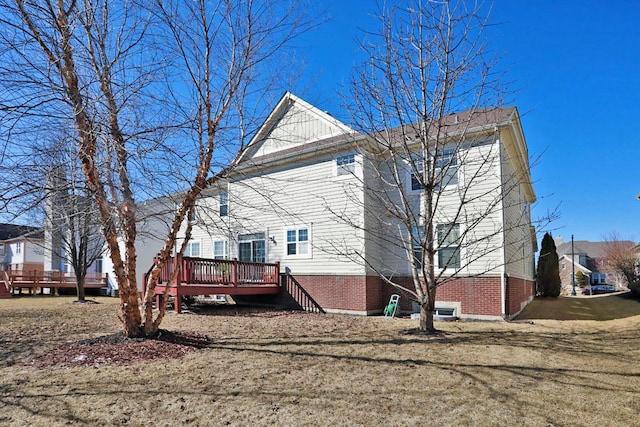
(299, 294)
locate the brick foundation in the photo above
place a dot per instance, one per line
(476, 296)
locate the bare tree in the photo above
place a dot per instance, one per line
(163, 89)
(443, 179)
(71, 224)
(621, 257)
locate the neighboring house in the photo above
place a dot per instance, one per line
(589, 258)
(21, 247)
(301, 195)
(153, 224)
(152, 228)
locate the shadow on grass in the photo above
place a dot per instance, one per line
(597, 307)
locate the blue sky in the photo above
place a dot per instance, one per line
(575, 66)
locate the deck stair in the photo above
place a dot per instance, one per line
(299, 294)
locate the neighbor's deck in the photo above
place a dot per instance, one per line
(16, 280)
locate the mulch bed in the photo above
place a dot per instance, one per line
(117, 349)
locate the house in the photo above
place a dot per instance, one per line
(305, 194)
(21, 247)
(590, 259)
(153, 221)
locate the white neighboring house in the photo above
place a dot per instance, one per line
(21, 248)
(153, 225)
(302, 194)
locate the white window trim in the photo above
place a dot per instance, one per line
(225, 248)
(189, 248)
(341, 171)
(220, 204)
(410, 171)
(460, 247)
(310, 242)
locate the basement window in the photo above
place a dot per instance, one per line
(445, 312)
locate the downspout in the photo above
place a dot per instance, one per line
(503, 272)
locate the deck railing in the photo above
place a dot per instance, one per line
(50, 279)
(204, 271)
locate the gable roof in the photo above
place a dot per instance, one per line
(577, 265)
(293, 124)
(296, 130)
(461, 123)
(585, 247)
(12, 231)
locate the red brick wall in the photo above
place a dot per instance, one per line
(519, 291)
(338, 292)
(479, 296)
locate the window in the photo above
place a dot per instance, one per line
(345, 165)
(192, 250)
(448, 239)
(447, 167)
(98, 265)
(563, 266)
(252, 247)
(192, 214)
(417, 168)
(446, 170)
(445, 312)
(220, 249)
(1, 249)
(417, 244)
(298, 242)
(224, 203)
(19, 247)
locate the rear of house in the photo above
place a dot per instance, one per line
(306, 194)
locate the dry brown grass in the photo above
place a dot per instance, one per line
(274, 368)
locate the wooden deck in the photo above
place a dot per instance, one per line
(203, 276)
(33, 280)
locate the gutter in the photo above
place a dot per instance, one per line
(503, 273)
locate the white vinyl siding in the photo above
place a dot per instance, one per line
(307, 195)
(518, 244)
(299, 125)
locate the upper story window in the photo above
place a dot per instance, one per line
(19, 247)
(193, 249)
(449, 241)
(298, 242)
(192, 214)
(416, 174)
(220, 249)
(346, 164)
(224, 203)
(446, 172)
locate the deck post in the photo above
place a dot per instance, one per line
(234, 272)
